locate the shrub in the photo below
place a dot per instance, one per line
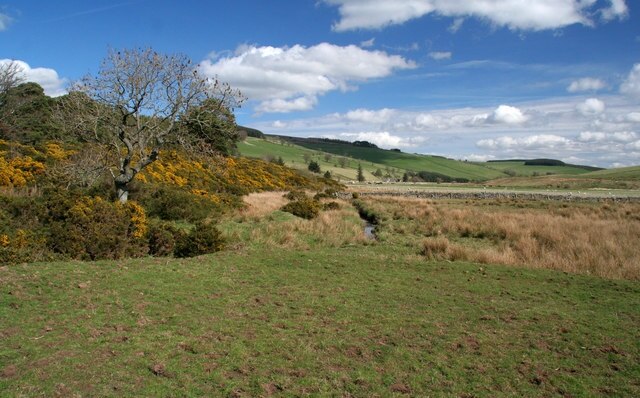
(331, 206)
(163, 238)
(93, 228)
(204, 238)
(295, 195)
(172, 204)
(305, 208)
(314, 167)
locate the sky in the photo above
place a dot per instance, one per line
(475, 80)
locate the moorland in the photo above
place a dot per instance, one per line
(240, 272)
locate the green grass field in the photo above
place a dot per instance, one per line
(623, 173)
(332, 319)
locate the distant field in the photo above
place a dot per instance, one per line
(624, 173)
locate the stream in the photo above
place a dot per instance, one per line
(370, 231)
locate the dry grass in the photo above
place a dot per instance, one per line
(597, 239)
(261, 224)
(261, 204)
(333, 228)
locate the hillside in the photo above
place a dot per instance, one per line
(623, 173)
(341, 158)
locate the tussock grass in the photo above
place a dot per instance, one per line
(261, 223)
(597, 239)
(260, 204)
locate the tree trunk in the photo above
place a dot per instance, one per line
(122, 187)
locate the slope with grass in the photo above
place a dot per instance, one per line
(392, 163)
(623, 173)
(519, 168)
(294, 156)
(413, 162)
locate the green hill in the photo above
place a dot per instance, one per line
(341, 158)
(341, 167)
(623, 173)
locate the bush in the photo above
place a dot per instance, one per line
(173, 204)
(314, 167)
(331, 206)
(305, 208)
(93, 228)
(204, 238)
(163, 238)
(295, 195)
(328, 193)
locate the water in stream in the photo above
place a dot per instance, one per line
(369, 230)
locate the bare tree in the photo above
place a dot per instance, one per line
(134, 105)
(11, 75)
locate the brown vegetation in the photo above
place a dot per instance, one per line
(594, 238)
(333, 228)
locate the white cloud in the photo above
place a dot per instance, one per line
(514, 14)
(52, 84)
(624, 136)
(278, 105)
(507, 114)
(5, 21)
(590, 107)
(370, 116)
(440, 55)
(383, 139)
(456, 25)
(291, 78)
(586, 84)
(631, 86)
(533, 142)
(278, 124)
(589, 136)
(617, 9)
(634, 117)
(368, 43)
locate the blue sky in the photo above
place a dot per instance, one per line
(477, 80)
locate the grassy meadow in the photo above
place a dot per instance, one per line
(313, 308)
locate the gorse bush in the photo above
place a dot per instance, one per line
(94, 228)
(172, 204)
(305, 208)
(295, 195)
(163, 238)
(204, 238)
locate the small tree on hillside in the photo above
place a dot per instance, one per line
(141, 101)
(314, 166)
(360, 173)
